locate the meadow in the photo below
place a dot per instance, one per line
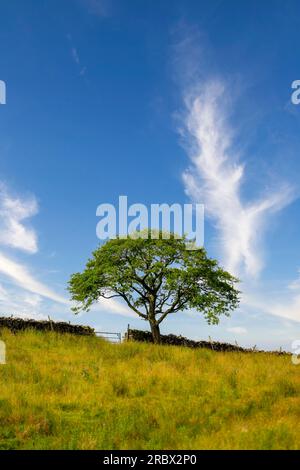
(60, 391)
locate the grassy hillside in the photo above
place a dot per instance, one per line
(66, 392)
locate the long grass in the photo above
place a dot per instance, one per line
(69, 392)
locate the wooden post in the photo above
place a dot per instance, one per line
(50, 321)
(128, 329)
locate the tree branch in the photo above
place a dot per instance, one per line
(130, 305)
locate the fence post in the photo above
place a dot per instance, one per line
(2, 352)
(128, 329)
(50, 321)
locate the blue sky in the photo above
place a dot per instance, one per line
(172, 101)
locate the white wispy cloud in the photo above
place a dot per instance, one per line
(14, 213)
(283, 301)
(215, 178)
(113, 306)
(21, 276)
(16, 233)
(238, 330)
(18, 302)
(26, 294)
(290, 309)
(295, 284)
(75, 55)
(217, 175)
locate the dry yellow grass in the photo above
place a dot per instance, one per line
(66, 392)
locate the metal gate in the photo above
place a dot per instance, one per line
(112, 337)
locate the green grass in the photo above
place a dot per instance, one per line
(67, 392)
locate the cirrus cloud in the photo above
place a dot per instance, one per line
(14, 211)
(215, 178)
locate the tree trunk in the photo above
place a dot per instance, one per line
(155, 332)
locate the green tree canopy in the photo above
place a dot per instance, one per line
(156, 278)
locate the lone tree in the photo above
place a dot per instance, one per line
(155, 277)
